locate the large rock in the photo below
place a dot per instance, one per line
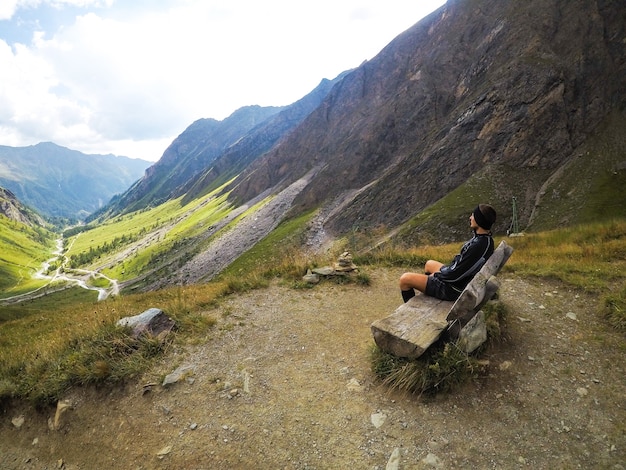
(473, 334)
(153, 321)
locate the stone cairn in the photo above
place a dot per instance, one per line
(341, 267)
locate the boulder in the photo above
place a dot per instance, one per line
(153, 321)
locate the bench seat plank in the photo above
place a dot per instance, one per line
(413, 327)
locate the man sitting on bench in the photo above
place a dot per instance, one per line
(446, 282)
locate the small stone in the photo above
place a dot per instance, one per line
(378, 419)
(354, 385)
(394, 460)
(164, 451)
(325, 271)
(148, 387)
(18, 421)
(582, 391)
(311, 277)
(183, 372)
(153, 321)
(193, 426)
(62, 407)
(432, 461)
(571, 316)
(505, 365)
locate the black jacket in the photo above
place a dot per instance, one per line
(474, 253)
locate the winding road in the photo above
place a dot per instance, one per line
(64, 278)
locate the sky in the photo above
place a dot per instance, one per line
(126, 77)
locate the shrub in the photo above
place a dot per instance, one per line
(615, 310)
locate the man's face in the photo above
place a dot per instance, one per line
(473, 223)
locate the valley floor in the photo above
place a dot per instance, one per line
(284, 381)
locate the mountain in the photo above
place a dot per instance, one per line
(210, 152)
(188, 155)
(482, 101)
(14, 210)
(505, 89)
(60, 182)
(258, 141)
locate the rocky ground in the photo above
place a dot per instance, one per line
(284, 381)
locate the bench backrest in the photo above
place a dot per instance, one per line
(482, 287)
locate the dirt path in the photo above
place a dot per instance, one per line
(284, 381)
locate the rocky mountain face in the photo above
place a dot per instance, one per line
(60, 182)
(13, 209)
(210, 152)
(192, 152)
(257, 142)
(477, 86)
(499, 97)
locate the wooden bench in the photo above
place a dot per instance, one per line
(418, 323)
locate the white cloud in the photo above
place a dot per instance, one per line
(7, 9)
(125, 80)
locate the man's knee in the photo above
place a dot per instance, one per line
(405, 281)
(413, 281)
(432, 266)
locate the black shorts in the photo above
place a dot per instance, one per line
(435, 287)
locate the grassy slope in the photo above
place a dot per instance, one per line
(590, 256)
(154, 232)
(23, 249)
(40, 370)
(590, 188)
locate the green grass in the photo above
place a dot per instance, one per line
(447, 219)
(98, 281)
(590, 257)
(23, 249)
(69, 339)
(615, 309)
(165, 230)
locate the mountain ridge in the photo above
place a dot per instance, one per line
(208, 152)
(481, 101)
(521, 85)
(60, 182)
